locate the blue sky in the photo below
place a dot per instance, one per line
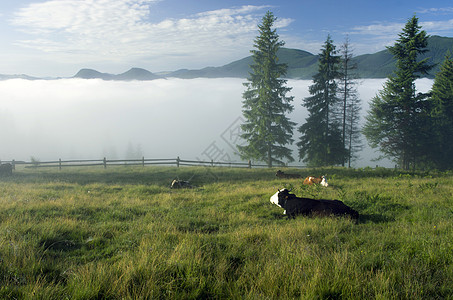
(58, 37)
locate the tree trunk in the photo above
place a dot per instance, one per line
(269, 156)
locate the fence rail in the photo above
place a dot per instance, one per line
(178, 162)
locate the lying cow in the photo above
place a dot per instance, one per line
(281, 174)
(180, 184)
(310, 180)
(6, 170)
(305, 206)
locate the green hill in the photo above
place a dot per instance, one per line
(303, 65)
(382, 64)
(378, 65)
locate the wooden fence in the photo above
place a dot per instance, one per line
(130, 162)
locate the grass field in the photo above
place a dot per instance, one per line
(122, 233)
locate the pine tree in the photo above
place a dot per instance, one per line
(321, 142)
(267, 130)
(398, 115)
(351, 103)
(442, 116)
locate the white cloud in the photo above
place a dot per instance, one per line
(166, 117)
(78, 24)
(436, 10)
(76, 118)
(437, 27)
(122, 30)
(378, 29)
(374, 37)
(392, 29)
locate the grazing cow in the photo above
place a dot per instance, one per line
(6, 170)
(180, 184)
(281, 174)
(310, 180)
(305, 206)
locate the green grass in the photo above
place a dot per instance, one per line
(122, 233)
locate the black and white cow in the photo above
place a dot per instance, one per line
(305, 206)
(180, 184)
(281, 174)
(6, 170)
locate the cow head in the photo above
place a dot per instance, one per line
(280, 197)
(274, 198)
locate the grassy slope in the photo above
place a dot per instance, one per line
(121, 233)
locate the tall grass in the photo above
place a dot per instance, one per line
(122, 233)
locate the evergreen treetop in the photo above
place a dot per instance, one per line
(321, 141)
(397, 119)
(267, 130)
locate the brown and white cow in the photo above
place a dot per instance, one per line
(310, 180)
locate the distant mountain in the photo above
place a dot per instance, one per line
(19, 76)
(93, 74)
(301, 65)
(132, 74)
(382, 64)
(137, 74)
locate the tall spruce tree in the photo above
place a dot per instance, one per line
(351, 103)
(267, 130)
(321, 142)
(398, 115)
(442, 116)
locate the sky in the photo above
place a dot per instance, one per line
(56, 38)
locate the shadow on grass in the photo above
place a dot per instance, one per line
(374, 218)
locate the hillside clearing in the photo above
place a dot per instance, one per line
(122, 233)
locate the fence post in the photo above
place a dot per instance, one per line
(177, 162)
(105, 163)
(13, 163)
(143, 161)
(59, 164)
(212, 163)
(250, 164)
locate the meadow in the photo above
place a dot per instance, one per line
(122, 233)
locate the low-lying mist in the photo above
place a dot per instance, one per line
(90, 119)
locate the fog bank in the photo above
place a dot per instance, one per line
(165, 118)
